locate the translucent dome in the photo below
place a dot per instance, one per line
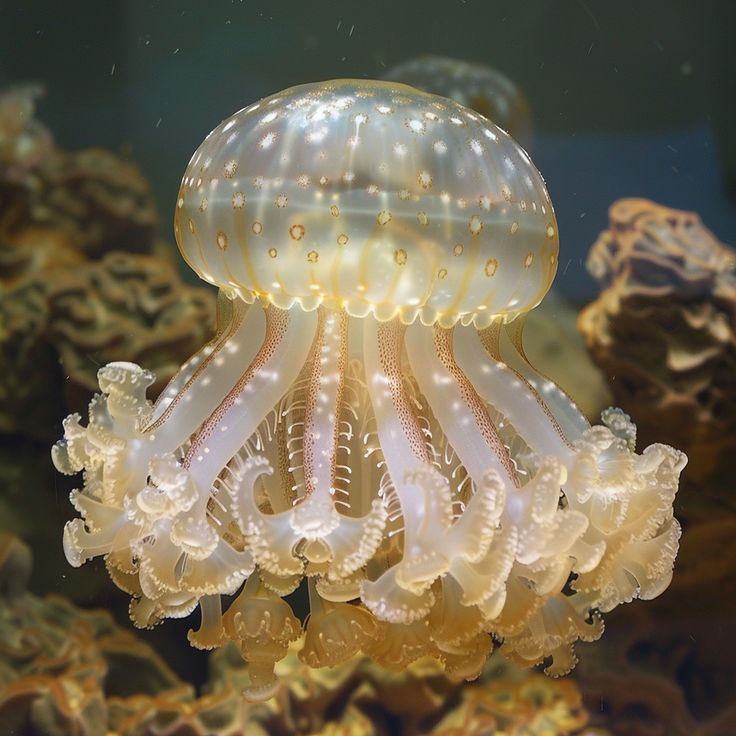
(373, 197)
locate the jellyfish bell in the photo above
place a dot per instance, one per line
(372, 197)
(365, 416)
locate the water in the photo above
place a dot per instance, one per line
(623, 101)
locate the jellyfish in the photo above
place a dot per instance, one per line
(477, 86)
(365, 422)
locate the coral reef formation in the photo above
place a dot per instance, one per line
(365, 419)
(66, 297)
(664, 328)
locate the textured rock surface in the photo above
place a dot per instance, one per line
(664, 328)
(69, 301)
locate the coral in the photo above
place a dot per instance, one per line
(58, 210)
(639, 704)
(664, 328)
(129, 305)
(55, 658)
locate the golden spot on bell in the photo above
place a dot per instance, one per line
(180, 202)
(272, 252)
(404, 194)
(296, 232)
(440, 147)
(425, 179)
(384, 217)
(342, 239)
(475, 225)
(303, 181)
(203, 204)
(514, 227)
(335, 211)
(313, 256)
(323, 180)
(257, 182)
(238, 200)
(231, 168)
(400, 256)
(191, 225)
(529, 259)
(222, 240)
(491, 267)
(257, 228)
(550, 231)
(372, 189)
(422, 218)
(458, 249)
(281, 201)
(506, 192)
(442, 273)
(485, 203)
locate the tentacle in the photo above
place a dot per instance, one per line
(508, 391)
(456, 405)
(565, 411)
(320, 434)
(425, 506)
(194, 393)
(278, 362)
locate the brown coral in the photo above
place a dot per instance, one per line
(57, 210)
(128, 305)
(96, 199)
(57, 662)
(664, 328)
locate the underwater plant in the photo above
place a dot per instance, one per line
(365, 416)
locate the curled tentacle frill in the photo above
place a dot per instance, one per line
(365, 427)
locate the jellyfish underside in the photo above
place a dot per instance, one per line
(437, 493)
